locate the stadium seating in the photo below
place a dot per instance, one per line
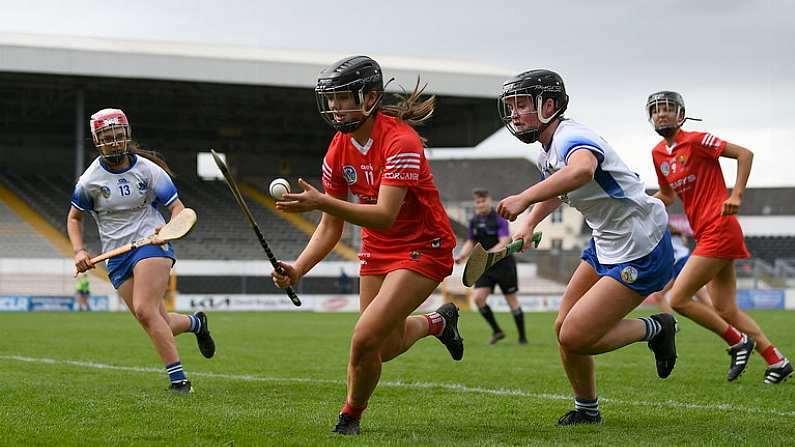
(770, 248)
(19, 240)
(222, 232)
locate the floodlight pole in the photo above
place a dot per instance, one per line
(80, 153)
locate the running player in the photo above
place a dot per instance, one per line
(83, 292)
(491, 231)
(630, 255)
(407, 241)
(687, 167)
(122, 189)
(681, 255)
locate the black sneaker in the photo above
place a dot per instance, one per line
(450, 336)
(495, 337)
(778, 374)
(346, 425)
(663, 345)
(203, 338)
(181, 387)
(579, 417)
(739, 354)
(522, 341)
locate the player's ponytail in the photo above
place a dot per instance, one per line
(152, 156)
(410, 109)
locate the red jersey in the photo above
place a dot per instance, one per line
(691, 168)
(394, 156)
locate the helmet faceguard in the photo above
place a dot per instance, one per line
(342, 88)
(525, 95)
(111, 133)
(669, 109)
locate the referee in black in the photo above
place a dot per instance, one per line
(491, 230)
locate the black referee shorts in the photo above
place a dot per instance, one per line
(502, 273)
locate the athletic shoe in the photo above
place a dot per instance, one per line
(497, 336)
(450, 337)
(739, 354)
(579, 417)
(522, 341)
(778, 374)
(181, 387)
(663, 345)
(346, 425)
(203, 338)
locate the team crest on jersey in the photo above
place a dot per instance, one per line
(436, 243)
(142, 185)
(105, 191)
(349, 173)
(682, 159)
(665, 168)
(629, 274)
(414, 255)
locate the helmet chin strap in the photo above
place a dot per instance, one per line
(667, 132)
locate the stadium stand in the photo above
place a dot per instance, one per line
(222, 232)
(20, 240)
(771, 248)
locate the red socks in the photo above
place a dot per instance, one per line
(732, 336)
(772, 355)
(352, 411)
(435, 323)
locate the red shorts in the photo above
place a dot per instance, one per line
(436, 264)
(722, 239)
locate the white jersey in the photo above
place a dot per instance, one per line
(680, 248)
(124, 203)
(627, 223)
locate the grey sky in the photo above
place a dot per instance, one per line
(734, 61)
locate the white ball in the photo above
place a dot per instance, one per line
(279, 188)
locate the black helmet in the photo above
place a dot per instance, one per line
(538, 86)
(675, 102)
(355, 75)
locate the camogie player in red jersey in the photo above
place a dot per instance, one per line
(407, 241)
(687, 166)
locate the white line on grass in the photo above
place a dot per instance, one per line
(413, 385)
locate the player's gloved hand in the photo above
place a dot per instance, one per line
(156, 241)
(512, 206)
(290, 277)
(524, 233)
(83, 261)
(731, 205)
(308, 200)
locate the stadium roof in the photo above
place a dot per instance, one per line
(94, 56)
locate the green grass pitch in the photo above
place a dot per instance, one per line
(278, 379)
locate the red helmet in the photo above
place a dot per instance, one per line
(111, 119)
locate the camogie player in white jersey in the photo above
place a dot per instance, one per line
(630, 255)
(122, 189)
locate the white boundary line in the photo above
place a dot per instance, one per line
(411, 385)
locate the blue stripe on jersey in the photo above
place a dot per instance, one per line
(608, 183)
(81, 200)
(600, 156)
(165, 191)
(578, 142)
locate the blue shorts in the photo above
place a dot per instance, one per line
(679, 265)
(121, 267)
(645, 275)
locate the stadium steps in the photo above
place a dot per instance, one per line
(344, 250)
(42, 202)
(23, 228)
